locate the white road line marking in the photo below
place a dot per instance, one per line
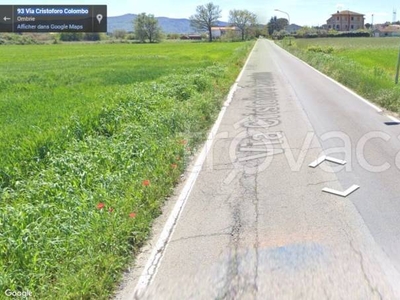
(254, 144)
(247, 158)
(335, 160)
(157, 253)
(320, 160)
(231, 176)
(347, 192)
(255, 150)
(394, 119)
(334, 81)
(316, 163)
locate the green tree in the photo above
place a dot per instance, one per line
(173, 36)
(258, 30)
(242, 19)
(276, 24)
(146, 28)
(206, 17)
(230, 36)
(306, 31)
(92, 36)
(282, 23)
(272, 25)
(71, 36)
(280, 34)
(119, 34)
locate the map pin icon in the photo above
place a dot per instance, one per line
(99, 18)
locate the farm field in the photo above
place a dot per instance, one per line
(42, 88)
(94, 137)
(366, 65)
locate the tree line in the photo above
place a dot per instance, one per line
(146, 26)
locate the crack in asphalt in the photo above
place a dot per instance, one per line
(321, 182)
(235, 284)
(373, 289)
(231, 283)
(257, 244)
(232, 288)
(345, 227)
(201, 236)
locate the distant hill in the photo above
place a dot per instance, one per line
(168, 25)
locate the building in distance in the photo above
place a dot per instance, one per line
(345, 20)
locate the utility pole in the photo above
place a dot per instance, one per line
(290, 41)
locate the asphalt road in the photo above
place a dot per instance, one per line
(257, 224)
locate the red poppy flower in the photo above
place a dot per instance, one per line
(132, 215)
(100, 206)
(146, 182)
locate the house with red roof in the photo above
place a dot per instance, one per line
(382, 30)
(345, 20)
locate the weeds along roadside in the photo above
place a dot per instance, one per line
(372, 82)
(70, 227)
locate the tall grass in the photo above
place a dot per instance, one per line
(83, 190)
(366, 65)
(45, 89)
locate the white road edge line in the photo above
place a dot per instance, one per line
(379, 110)
(393, 119)
(341, 194)
(154, 260)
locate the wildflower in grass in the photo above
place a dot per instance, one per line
(146, 182)
(132, 215)
(100, 205)
(174, 166)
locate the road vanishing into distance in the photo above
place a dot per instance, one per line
(298, 197)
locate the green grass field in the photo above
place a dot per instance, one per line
(366, 65)
(94, 137)
(45, 88)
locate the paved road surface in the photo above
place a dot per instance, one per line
(257, 224)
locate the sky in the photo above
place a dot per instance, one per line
(301, 12)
